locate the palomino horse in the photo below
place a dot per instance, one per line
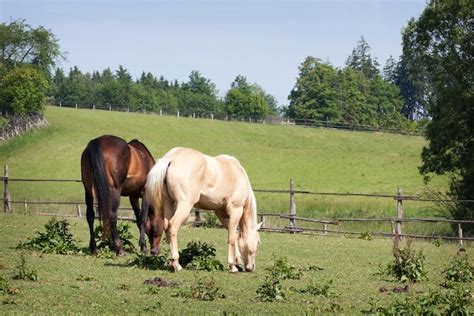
(111, 168)
(184, 178)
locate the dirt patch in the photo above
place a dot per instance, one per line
(158, 281)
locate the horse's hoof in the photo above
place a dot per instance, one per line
(144, 250)
(233, 269)
(94, 253)
(122, 253)
(175, 267)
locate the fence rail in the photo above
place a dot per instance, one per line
(291, 215)
(276, 120)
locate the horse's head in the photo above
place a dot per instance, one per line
(154, 231)
(248, 243)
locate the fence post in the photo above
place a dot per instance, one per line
(7, 208)
(398, 229)
(177, 114)
(78, 210)
(197, 219)
(25, 204)
(292, 204)
(161, 112)
(460, 234)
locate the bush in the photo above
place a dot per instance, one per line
(455, 301)
(323, 289)
(200, 256)
(271, 289)
(149, 262)
(283, 270)
(211, 221)
(22, 90)
(460, 270)
(56, 239)
(124, 233)
(408, 265)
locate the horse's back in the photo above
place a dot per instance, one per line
(210, 182)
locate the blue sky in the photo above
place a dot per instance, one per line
(263, 40)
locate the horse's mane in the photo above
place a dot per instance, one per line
(138, 144)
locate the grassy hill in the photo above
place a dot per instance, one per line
(318, 159)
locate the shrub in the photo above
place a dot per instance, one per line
(283, 270)
(455, 301)
(143, 261)
(207, 264)
(196, 249)
(56, 239)
(123, 231)
(408, 264)
(270, 290)
(211, 221)
(460, 270)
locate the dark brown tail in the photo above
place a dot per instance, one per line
(101, 185)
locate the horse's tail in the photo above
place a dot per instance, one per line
(101, 185)
(155, 185)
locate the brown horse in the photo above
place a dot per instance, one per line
(184, 178)
(110, 168)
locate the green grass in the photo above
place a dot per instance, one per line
(318, 159)
(85, 284)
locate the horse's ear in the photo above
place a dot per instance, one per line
(259, 225)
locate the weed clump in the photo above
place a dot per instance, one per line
(56, 239)
(106, 244)
(200, 256)
(408, 264)
(205, 289)
(22, 272)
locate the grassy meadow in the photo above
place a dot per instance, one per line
(322, 160)
(83, 284)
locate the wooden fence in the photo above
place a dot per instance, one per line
(276, 120)
(328, 226)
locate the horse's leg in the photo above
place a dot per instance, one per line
(114, 203)
(139, 214)
(174, 223)
(235, 214)
(90, 220)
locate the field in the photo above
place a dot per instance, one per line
(321, 160)
(85, 284)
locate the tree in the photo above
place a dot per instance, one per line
(361, 60)
(390, 70)
(442, 41)
(21, 44)
(316, 92)
(22, 91)
(247, 100)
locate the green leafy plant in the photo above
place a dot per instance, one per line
(22, 272)
(460, 270)
(6, 288)
(408, 264)
(323, 289)
(365, 236)
(207, 264)
(143, 261)
(196, 249)
(123, 230)
(211, 221)
(205, 289)
(455, 301)
(200, 256)
(283, 270)
(271, 289)
(56, 239)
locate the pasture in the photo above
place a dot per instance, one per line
(85, 284)
(321, 160)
